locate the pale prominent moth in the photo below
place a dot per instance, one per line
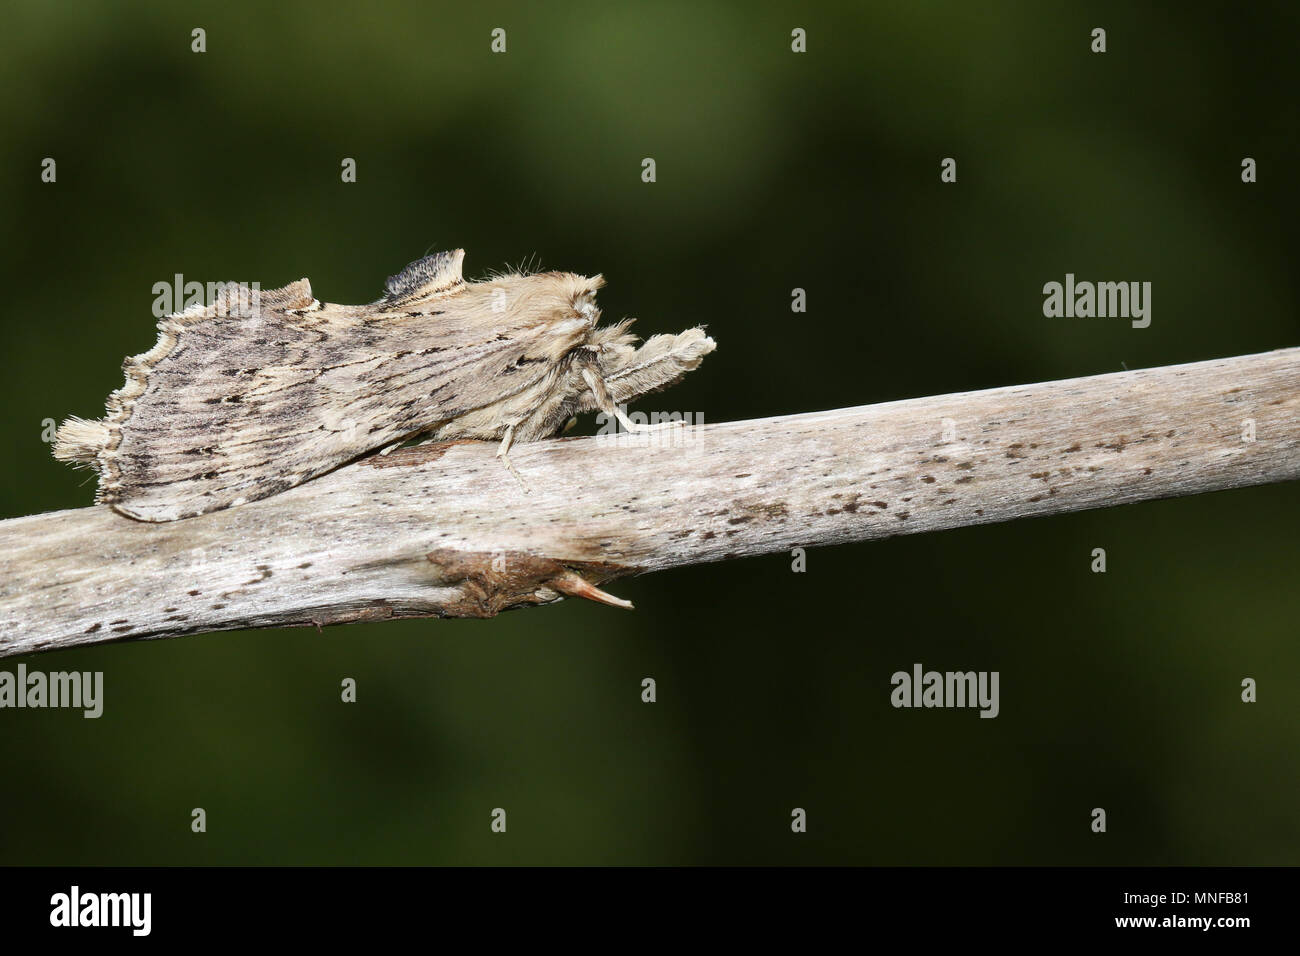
(259, 392)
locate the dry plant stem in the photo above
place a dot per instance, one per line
(444, 530)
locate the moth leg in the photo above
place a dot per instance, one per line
(605, 402)
(503, 452)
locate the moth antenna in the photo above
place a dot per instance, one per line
(574, 585)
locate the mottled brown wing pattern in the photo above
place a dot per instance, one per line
(245, 399)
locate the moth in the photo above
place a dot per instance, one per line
(263, 390)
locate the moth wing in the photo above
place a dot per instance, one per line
(244, 399)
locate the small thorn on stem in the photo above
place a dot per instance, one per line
(576, 586)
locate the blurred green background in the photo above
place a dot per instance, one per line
(775, 170)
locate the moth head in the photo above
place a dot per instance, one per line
(584, 299)
(563, 300)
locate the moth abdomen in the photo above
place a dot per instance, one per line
(79, 441)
